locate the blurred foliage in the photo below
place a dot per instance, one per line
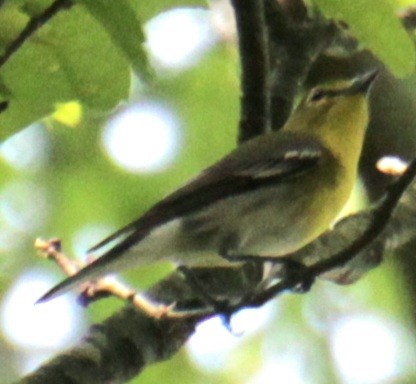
(120, 20)
(76, 72)
(375, 24)
(67, 66)
(99, 77)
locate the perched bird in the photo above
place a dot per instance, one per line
(267, 198)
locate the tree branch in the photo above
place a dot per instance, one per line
(122, 346)
(252, 38)
(116, 350)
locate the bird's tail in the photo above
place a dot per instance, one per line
(131, 251)
(92, 271)
(118, 258)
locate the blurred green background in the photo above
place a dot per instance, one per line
(89, 143)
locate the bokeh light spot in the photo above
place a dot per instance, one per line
(23, 205)
(364, 349)
(250, 320)
(45, 326)
(178, 38)
(286, 369)
(28, 149)
(142, 138)
(212, 343)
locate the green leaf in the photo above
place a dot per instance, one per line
(12, 21)
(70, 58)
(149, 9)
(121, 22)
(375, 24)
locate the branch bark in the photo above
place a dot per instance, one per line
(253, 47)
(115, 351)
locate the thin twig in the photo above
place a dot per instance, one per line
(32, 26)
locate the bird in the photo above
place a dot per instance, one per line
(269, 197)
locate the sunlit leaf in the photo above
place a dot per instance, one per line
(69, 113)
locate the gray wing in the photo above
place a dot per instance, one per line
(236, 174)
(221, 181)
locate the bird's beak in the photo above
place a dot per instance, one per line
(362, 84)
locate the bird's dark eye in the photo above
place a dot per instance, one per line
(317, 95)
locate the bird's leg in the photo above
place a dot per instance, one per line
(293, 269)
(222, 307)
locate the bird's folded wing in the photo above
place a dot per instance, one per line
(212, 185)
